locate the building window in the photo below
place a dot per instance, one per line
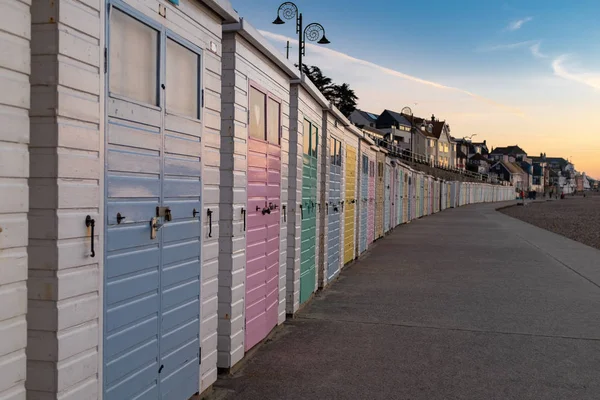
(182, 94)
(365, 164)
(264, 114)
(306, 137)
(372, 169)
(335, 152)
(380, 169)
(133, 62)
(273, 121)
(258, 127)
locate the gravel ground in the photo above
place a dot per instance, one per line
(577, 218)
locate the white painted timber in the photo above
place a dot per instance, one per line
(306, 102)
(15, 69)
(67, 181)
(245, 62)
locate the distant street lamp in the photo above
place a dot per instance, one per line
(408, 111)
(313, 32)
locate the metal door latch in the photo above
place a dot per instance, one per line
(164, 212)
(154, 227)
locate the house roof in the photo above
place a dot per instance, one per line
(369, 116)
(557, 160)
(478, 157)
(400, 118)
(509, 150)
(460, 154)
(413, 118)
(438, 127)
(417, 121)
(511, 167)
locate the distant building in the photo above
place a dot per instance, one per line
(478, 163)
(363, 118)
(561, 175)
(508, 169)
(396, 126)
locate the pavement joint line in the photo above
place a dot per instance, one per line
(557, 260)
(439, 328)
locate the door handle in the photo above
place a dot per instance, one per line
(284, 214)
(327, 208)
(209, 213)
(194, 213)
(120, 218)
(91, 222)
(244, 215)
(301, 212)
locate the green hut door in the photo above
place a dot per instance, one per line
(308, 211)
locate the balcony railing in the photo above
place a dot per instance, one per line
(407, 155)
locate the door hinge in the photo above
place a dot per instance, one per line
(105, 60)
(200, 355)
(202, 98)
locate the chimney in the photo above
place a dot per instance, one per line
(432, 118)
(505, 158)
(484, 141)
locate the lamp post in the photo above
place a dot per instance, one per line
(408, 111)
(313, 32)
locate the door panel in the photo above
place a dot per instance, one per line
(334, 210)
(308, 247)
(350, 204)
(379, 195)
(387, 199)
(152, 285)
(371, 230)
(262, 229)
(364, 204)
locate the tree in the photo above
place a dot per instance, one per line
(340, 96)
(314, 73)
(344, 98)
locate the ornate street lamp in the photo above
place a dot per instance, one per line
(313, 32)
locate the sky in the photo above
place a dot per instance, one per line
(511, 72)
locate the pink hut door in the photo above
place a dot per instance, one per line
(371, 217)
(262, 226)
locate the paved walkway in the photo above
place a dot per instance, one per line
(465, 304)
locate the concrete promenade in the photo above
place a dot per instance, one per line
(465, 304)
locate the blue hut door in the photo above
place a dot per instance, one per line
(387, 199)
(151, 343)
(334, 208)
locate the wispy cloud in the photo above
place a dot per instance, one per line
(388, 71)
(517, 24)
(591, 79)
(532, 45)
(509, 46)
(535, 50)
